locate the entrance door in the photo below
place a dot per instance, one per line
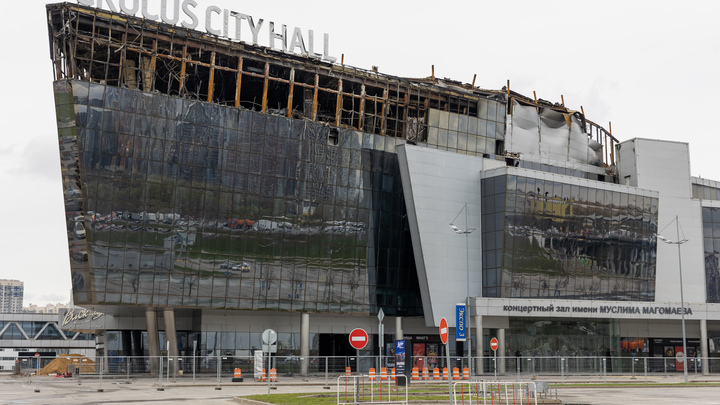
(338, 350)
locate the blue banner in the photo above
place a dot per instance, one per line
(460, 323)
(399, 357)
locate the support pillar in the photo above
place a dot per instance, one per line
(101, 348)
(705, 363)
(153, 339)
(171, 339)
(398, 329)
(501, 351)
(479, 353)
(304, 343)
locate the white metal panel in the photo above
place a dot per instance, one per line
(665, 166)
(579, 148)
(554, 135)
(436, 185)
(522, 135)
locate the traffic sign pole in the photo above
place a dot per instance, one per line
(449, 372)
(381, 337)
(495, 365)
(444, 340)
(269, 338)
(358, 340)
(494, 347)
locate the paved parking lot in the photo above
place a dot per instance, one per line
(21, 390)
(660, 389)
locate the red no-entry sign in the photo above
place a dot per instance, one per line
(493, 344)
(443, 331)
(358, 338)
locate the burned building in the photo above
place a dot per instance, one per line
(226, 187)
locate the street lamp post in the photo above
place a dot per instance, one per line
(467, 231)
(381, 337)
(682, 300)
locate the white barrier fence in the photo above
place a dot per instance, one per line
(492, 392)
(362, 389)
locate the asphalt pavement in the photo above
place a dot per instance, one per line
(656, 389)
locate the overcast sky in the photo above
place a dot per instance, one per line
(650, 68)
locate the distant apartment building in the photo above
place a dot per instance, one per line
(45, 309)
(11, 296)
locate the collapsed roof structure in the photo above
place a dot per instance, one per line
(119, 50)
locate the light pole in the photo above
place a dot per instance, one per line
(467, 231)
(381, 338)
(682, 300)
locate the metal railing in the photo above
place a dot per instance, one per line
(217, 370)
(362, 389)
(504, 392)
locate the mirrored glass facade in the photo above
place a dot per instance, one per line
(174, 202)
(711, 239)
(556, 239)
(531, 337)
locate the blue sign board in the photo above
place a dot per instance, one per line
(400, 357)
(460, 323)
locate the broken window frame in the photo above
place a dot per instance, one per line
(102, 47)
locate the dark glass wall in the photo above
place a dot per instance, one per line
(176, 202)
(711, 238)
(548, 239)
(532, 337)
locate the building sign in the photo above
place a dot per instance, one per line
(423, 338)
(601, 309)
(224, 23)
(80, 316)
(460, 323)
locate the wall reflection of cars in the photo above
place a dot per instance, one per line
(79, 230)
(243, 267)
(80, 255)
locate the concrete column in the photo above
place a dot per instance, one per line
(704, 347)
(171, 339)
(153, 340)
(304, 343)
(101, 342)
(398, 329)
(501, 351)
(478, 345)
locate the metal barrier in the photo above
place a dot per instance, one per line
(360, 389)
(491, 392)
(94, 373)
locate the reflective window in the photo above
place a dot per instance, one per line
(711, 233)
(546, 338)
(186, 203)
(548, 242)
